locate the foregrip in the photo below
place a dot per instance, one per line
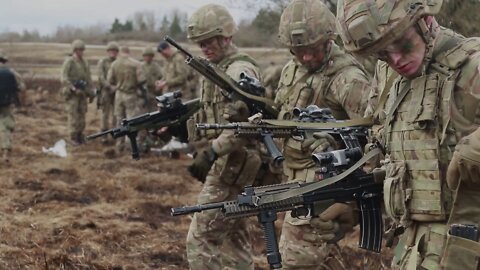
(272, 148)
(267, 219)
(133, 142)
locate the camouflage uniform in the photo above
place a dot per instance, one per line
(107, 96)
(212, 241)
(7, 122)
(73, 70)
(152, 72)
(340, 84)
(425, 117)
(126, 76)
(175, 74)
(271, 77)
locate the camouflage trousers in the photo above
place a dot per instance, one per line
(7, 125)
(212, 241)
(421, 246)
(298, 253)
(128, 105)
(108, 119)
(76, 107)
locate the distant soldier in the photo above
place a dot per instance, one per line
(77, 86)
(153, 73)
(271, 77)
(106, 98)
(175, 71)
(127, 79)
(10, 84)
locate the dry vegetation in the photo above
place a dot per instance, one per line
(92, 210)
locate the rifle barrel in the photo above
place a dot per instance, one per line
(98, 134)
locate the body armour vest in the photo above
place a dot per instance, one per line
(425, 119)
(8, 87)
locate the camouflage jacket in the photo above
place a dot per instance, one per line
(102, 69)
(176, 72)
(152, 73)
(126, 74)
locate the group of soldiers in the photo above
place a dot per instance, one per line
(423, 102)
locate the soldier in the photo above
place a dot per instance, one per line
(430, 128)
(127, 79)
(320, 73)
(106, 98)
(152, 73)
(10, 84)
(227, 163)
(77, 87)
(175, 71)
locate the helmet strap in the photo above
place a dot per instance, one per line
(429, 34)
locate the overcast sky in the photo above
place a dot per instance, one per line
(46, 15)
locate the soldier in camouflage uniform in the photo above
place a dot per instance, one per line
(77, 87)
(10, 82)
(175, 72)
(152, 73)
(320, 73)
(430, 126)
(127, 78)
(227, 163)
(107, 94)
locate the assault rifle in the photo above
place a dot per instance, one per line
(248, 89)
(173, 113)
(309, 200)
(80, 85)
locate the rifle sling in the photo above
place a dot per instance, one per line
(276, 197)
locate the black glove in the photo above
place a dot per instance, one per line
(202, 163)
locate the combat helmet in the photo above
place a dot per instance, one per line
(113, 46)
(148, 51)
(367, 26)
(305, 23)
(3, 55)
(78, 44)
(209, 21)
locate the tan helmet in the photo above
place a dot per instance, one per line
(209, 21)
(113, 46)
(78, 44)
(3, 55)
(367, 26)
(148, 51)
(306, 22)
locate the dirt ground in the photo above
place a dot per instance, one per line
(92, 210)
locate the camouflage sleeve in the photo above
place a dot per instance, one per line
(111, 78)
(351, 88)
(141, 76)
(20, 82)
(65, 76)
(102, 74)
(181, 72)
(90, 89)
(158, 72)
(469, 78)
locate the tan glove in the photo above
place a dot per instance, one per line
(465, 163)
(332, 224)
(236, 111)
(320, 142)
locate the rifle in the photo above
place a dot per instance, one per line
(173, 113)
(80, 84)
(309, 199)
(248, 89)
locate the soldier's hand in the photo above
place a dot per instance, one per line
(160, 84)
(465, 163)
(236, 111)
(320, 142)
(332, 224)
(202, 163)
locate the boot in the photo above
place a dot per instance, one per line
(6, 155)
(80, 138)
(74, 139)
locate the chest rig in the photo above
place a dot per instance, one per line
(426, 117)
(213, 100)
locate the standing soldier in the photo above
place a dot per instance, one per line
(175, 72)
(77, 87)
(10, 84)
(322, 74)
(127, 79)
(106, 98)
(212, 241)
(152, 73)
(430, 128)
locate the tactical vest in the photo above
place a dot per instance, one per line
(423, 126)
(212, 99)
(8, 87)
(300, 88)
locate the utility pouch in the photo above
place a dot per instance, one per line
(462, 249)
(239, 167)
(396, 193)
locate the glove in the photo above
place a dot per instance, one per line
(332, 224)
(465, 163)
(236, 111)
(203, 161)
(320, 142)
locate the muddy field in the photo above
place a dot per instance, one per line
(94, 210)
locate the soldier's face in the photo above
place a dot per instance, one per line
(112, 54)
(214, 48)
(79, 52)
(406, 54)
(311, 57)
(148, 58)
